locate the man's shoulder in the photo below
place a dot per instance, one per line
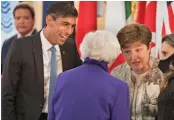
(70, 41)
(35, 31)
(29, 38)
(69, 44)
(26, 42)
(20, 40)
(9, 40)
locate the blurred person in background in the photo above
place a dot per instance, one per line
(24, 18)
(166, 96)
(140, 71)
(167, 46)
(89, 92)
(34, 62)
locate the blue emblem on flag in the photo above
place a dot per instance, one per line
(6, 17)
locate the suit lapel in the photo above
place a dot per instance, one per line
(34, 32)
(38, 58)
(64, 56)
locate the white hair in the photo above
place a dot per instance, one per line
(100, 45)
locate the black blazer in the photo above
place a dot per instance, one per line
(5, 47)
(23, 77)
(166, 102)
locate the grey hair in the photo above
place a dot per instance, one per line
(100, 45)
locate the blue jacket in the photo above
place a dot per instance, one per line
(89, 92)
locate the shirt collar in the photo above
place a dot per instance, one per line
(102, 64)
(46, 44)
(29, 34)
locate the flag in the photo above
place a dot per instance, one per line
(118, 13)
(87, 20)
(8, 28)
(115, 17)
(159, 17)
(100, 8)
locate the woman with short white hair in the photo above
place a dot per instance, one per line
(100, 45)
(89, 92)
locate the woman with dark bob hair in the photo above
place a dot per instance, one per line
(166, 96)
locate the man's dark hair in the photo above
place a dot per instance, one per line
(62, 9)
(24, 6)
(134, 32)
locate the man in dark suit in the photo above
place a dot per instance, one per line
(24, 18)
(33, 63)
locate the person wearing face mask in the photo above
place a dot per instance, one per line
(166, 96)
(140, 71)
(34, 62)
(167, 48)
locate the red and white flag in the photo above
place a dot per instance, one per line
(87, 20)
(159, 17)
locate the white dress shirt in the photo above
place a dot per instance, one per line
(46, 45)
(29, 34)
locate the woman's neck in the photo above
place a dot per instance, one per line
(141, 71)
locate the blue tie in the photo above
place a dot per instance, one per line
(53, 75)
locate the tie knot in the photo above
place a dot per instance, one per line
(53, 49)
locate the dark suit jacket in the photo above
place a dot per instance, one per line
(5, 47)
(23, 77)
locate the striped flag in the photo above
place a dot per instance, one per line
(8, 28)
(128, 12)
(159, 17)
(113, 23)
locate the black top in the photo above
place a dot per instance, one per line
(166, 102)
(166, 97)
